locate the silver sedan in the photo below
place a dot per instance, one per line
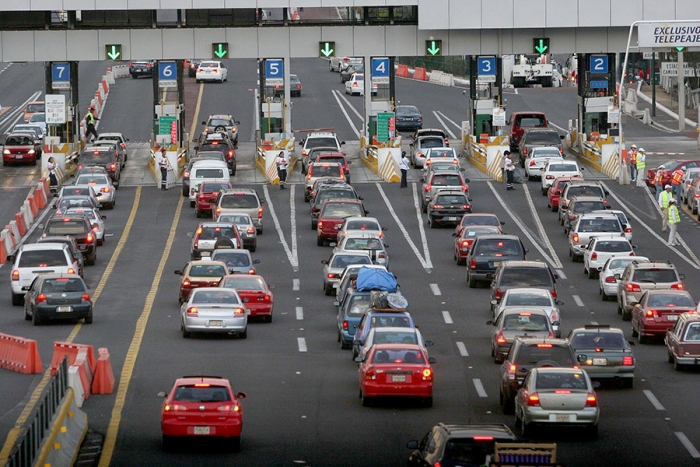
(557, 396)
(214, 310)
(530, 297)
(336, 264)
(102, 185)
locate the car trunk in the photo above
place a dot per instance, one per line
(562, 399)
(667, 315)
(198, 282)
(58, 299)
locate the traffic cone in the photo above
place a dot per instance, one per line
(103, 382)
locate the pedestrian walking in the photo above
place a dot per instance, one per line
(633, 162)
(510, 169)
(674, 218)
(641, 167)
(676, 179)
(282, 165)
(163, 166)
(403, 165)
(664, 200)
(90, 120)
(503, 165)
(51, 167)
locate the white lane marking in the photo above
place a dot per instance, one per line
(446, 316)
(462, 349)
(295, 284)
(521, 225)
(688, 445)
(352, 107)
(578, 300)
(459, 127)
(480, 388)
(291, 257)
(292, 213)
(301, 342)
(695, 264)
(435, 289)
(654, 401)
(443, 125)
(560, 273)
(594, 323)
(16, 113)
(300, 313)
(352, 125)
(540, 227)
(424, 260)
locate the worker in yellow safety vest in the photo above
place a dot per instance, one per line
(633, 162)
(641, 167)
(674, 218)
(664, 199)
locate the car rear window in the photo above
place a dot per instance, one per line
(526, 277)
(213, 187)
(599, 225)
(209, 173)
(451, 199)
(546, 152)
(210, 270)
(469, 451)
(446, 180)
(66, 227)
(214, 295)
(341, 210)
(99, 158)
(621, 263)
(431, 142)
(359, 303)
(86, 179)
(232, 258)
(89, 213)
(498, 247)
(529, 299)
(543, 138)
(325, 171)
(601, 340)
(588, 206)
(585, 190)
(693, 332)
(480, 220)
(79, 190)
(236, 219)
(74, 202)
(219, 122)
(339, 160)
(202, 394)
(243, 282)
(363, 244)
(341, 261)
(242, 201)
(329, 194)
(613, 247)
(212, 233)
(532, 354)
(563, 168)
(558, 380)
(42, 258)
(361, 225)
(530, 121)
(383, 337)
(63, 284)
(655, 275)
(447, 152)
(320, 142)
(398, 356)
(525, 322)
(392, 320)
(670, 300)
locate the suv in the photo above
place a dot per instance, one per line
(528, 353)
(72, 247)
(603, 352)
(102, 156)
(580, 188)
(320, 139)
(78, 227)
(448, 207)
(332, 215)
(539, 137)
(223, 124)
(33, 259)
(580, 205)
(519, 121)
(556, 188)
(240, 200)
(212, 155)
(683, 341)
(641, 277)
(219, 142)
(588, 226)
(518, 274)
(141, 68)
(208, 233)
(424, 141)
(487, 252)
(445, 180)
(372, 318)
(318, 170)
(117, 138)
(458, 444)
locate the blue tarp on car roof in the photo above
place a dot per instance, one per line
(375, 279)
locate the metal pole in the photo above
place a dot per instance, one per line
(624, 174)
(653, 84)
(681, 93)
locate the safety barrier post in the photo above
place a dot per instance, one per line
(14, 230)
(420, 74)
(21, 224)
(26, 210)
(39, 198)
(103, 381)
(4, 250)
(32, 202)
(19, 354)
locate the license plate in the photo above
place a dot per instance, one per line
(451, 218)
(563, 417)
(82, 247)
(205, 253)
(64, 309)
(492, 264)
(201, 430)
(216, 323)
(600, 361)
(19, 157)
(398, 378)
(672, 317)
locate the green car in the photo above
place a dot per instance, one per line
(604, 353)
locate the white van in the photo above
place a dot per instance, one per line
(207, 170)
(37, 258)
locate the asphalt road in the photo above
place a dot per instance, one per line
(303, 406)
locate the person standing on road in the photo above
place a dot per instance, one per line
(163, 166)
(641, 167)
(664, 200)
(282, 165)
(658, 182)
(403, 165)
(510, 169)
(674, 218)
(676, 179)
(51, 167)
(90, 120)
(506, 153)
(633, 163)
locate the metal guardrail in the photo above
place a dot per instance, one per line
(30, 441)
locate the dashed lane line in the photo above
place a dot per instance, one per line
(301, 342)
(347, 117)
(435, 289)
(291, 256)
(479, 388)
(688, 445)
(654, 401)
(295, 284)
(462, 349)
(293, 216)
(446, 316)
(300, 312)
(578, 300)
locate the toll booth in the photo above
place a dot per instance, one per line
(271, 97)
(169, 105)
(380, 99)
(61, 78)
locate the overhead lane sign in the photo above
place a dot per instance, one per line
(326, 49)
(167, 74)
(219, 50)
(113, 51)
(486, 69)
(540, 45)
(433, 48)
(60, 75)
(661, 34)
(274, 72)
(380, 70)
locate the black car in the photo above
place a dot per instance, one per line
(78, 227)
(57, 296)
(408, 118)
(448, 207)
(192, 68)
(219, 142)
(102, 156)
(486, 254)
(539, 137)
(141, 68)
(452, 444)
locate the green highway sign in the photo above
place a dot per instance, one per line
(386, 129)
(113, 51)
(326, 49)
(433, 47)
(540, 45)
(165, 123)
(219, 50)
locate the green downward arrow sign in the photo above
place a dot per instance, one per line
(433, 49)
(113, 52)
(541, 47)
(327, 51)
(220, 52)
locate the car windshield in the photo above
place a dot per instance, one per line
(232, 258)
(498, 247)
(599, 225)
(529, 299)
(202, 393)
(670, 300)
(214, 295)
(446, 180)
(209, 65)
(63, 285)
(341, 210)
(19, 140)
(326, 170)
(363, 244)
(321, 142)
(65, 226)
(87, 179)
(341, 261)
(207, 270)
(585, 190)
(559, 380)
(41, 259)
(451, 199)
(525, 322)
(32, 108)
(613, 246)
(243, 282)
(544, 137)
(526, 277)
(431, 142)
(361, 224)
(596, 339)
(398, 356)
(562, 168)
(588, 206)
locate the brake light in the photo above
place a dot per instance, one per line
(186, 282)
(428, 188)
(370, 375)
(627, 360)
(345, 325)
(532, 163)
(533, 400)
(562, 391)
(472, 264)
(497, 294)
(427, 374)
(41, 298)
(594, 255)
(500, 339)
(652, 314)
(591, 400)
(549, 177)
(15, 275)
(113, 167)
(428, 162)
(331, 275)
(192, 311)
(447, 142)
(544, 346)
(465, 188)
(610, 280)
(186, 174)
(201, 196)
(267, 298)
(71, 271)
(573, 217)
(678, 286)
(575, 238)
(174, 408)
(260, 213)
(465, 244)
(239, 311)
(251, 271)
(630, 287)
(105, 189)
(320, 224)
(90, 238)
(250, 230)
(85, 297)
(438, 206)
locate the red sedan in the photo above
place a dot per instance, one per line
(658, 311)
(554, 192)
(206, 196)
(667, 169)
(464, 240)
(20, 148)
(255, 293)
(202, 406)
(396, 370)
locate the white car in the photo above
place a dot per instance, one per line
(355, 86)
(366, 241)
(119, 139)
(353, 225)
(588, 226)
(622, 217)
(214, 310)
(607, 284)
(538, 157)
(600, 249)
(686, 182)
(338, 63)
(38, 119)
(531, 297)
(96, 220)
(32, 128)
(441, 153)
(555, 169)
(392, 335)
(210, 70)
(102, 184)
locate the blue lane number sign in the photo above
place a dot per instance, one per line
(599, 64)
(486, 68)
(167, 74)
(60, 75)
(274, 72)
(380, 70)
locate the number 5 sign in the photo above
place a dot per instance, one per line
(167, 74)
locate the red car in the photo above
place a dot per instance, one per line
(464, 240)
(667, 169)
(255, 293)
(202, 406)
(658, 311)
(206, 196)
(396, 370)
(200, 273)
(555, 191)
(333, 214)
(20, 148)
(338, 157)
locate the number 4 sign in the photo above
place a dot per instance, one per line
(380, 70)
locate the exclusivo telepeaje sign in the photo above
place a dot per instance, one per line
(655, 35)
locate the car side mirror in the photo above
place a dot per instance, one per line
(681, 276)
(256, 261)
(559, 302)
(527, 250)
(431, 360)
(241, 395)
(342, 142)
(178, 272)
(467, 180)
(336, 303)
(349, 162)
(617, 276)
(361, 198)
(386, 246)
(635, 246)
(428, 343)
(237, 122)
(333, 244)
(10, 258)
(556, 276)
(103, 217)
(204, 123)
(162, 394)
(455, 234)
(581, 358)
(469, 199)
(358, 359)
(595, 384)
(608, 207)
(366, 211)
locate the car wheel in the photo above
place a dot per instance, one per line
(554, 208)
(626, 315)
(677, 366)
(28, 317)
(354, 353)
(314, 224)
(35, 319)
(198, 214)
(592, 273)
(366, 401)
(319, 242)
(593, 432)
(268, 319)
(88, 318)
(244, 334)
(431, 223)
(253, 247)
(236, 444)
(604, 296)
(544, 191)
(525, 428)
(642, 339)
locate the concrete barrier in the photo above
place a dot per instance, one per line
(21, 223)
(19, 354)
(441, 78)
(120, 71)
(68, 429)
(6, 246)
(27, 212)
(420, 74)
(14, 230)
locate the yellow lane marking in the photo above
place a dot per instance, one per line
(16, 430)
(196, 113)
(132, 354)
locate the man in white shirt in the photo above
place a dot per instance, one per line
(403, 165)
(282, 165)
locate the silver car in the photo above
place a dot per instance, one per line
(334, 266)
(607, 284)
(531, 297)
(557, 396)
(87, 191)
(237, 260)
(96, 220)
(420, 146)
(392, 335)
(214, 310)
(368, 242)
(102, 185)
(347, 276)
(514, 322)
(360, 225)
(538, 158)
(246, 228)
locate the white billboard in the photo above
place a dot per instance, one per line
(656, 35)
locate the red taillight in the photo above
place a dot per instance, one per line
(41, 298)
(230, 154)
(251, 271)
(591, 400)
(549, 177)
(465, 244)
(95, 228)
(320, 224)
(533, 400)
(427, 374)
(544, 346)
(331, 275)
(71, 271)
(85, 297)
(628, 230)
(239, 311)
(532, 163)
(105, 190)
(186, 174)
(201, 196)
(465, 188)
(651, 314)
(594, 255)
(497, 294)
(428, 188)
(260, 213)
(90, 238)
(627, 360)
(610, 280)
(630, 287)
(345, 325)
(573, 217)
(192, 311)
(472, 264)
(500, 339)
(250, 230)
(438, 206)
(186, 283)
(678, 286)
(15, 275)
(370, 374)
(574, 238)
(267, 298)
(113, 167)
(123, 145)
